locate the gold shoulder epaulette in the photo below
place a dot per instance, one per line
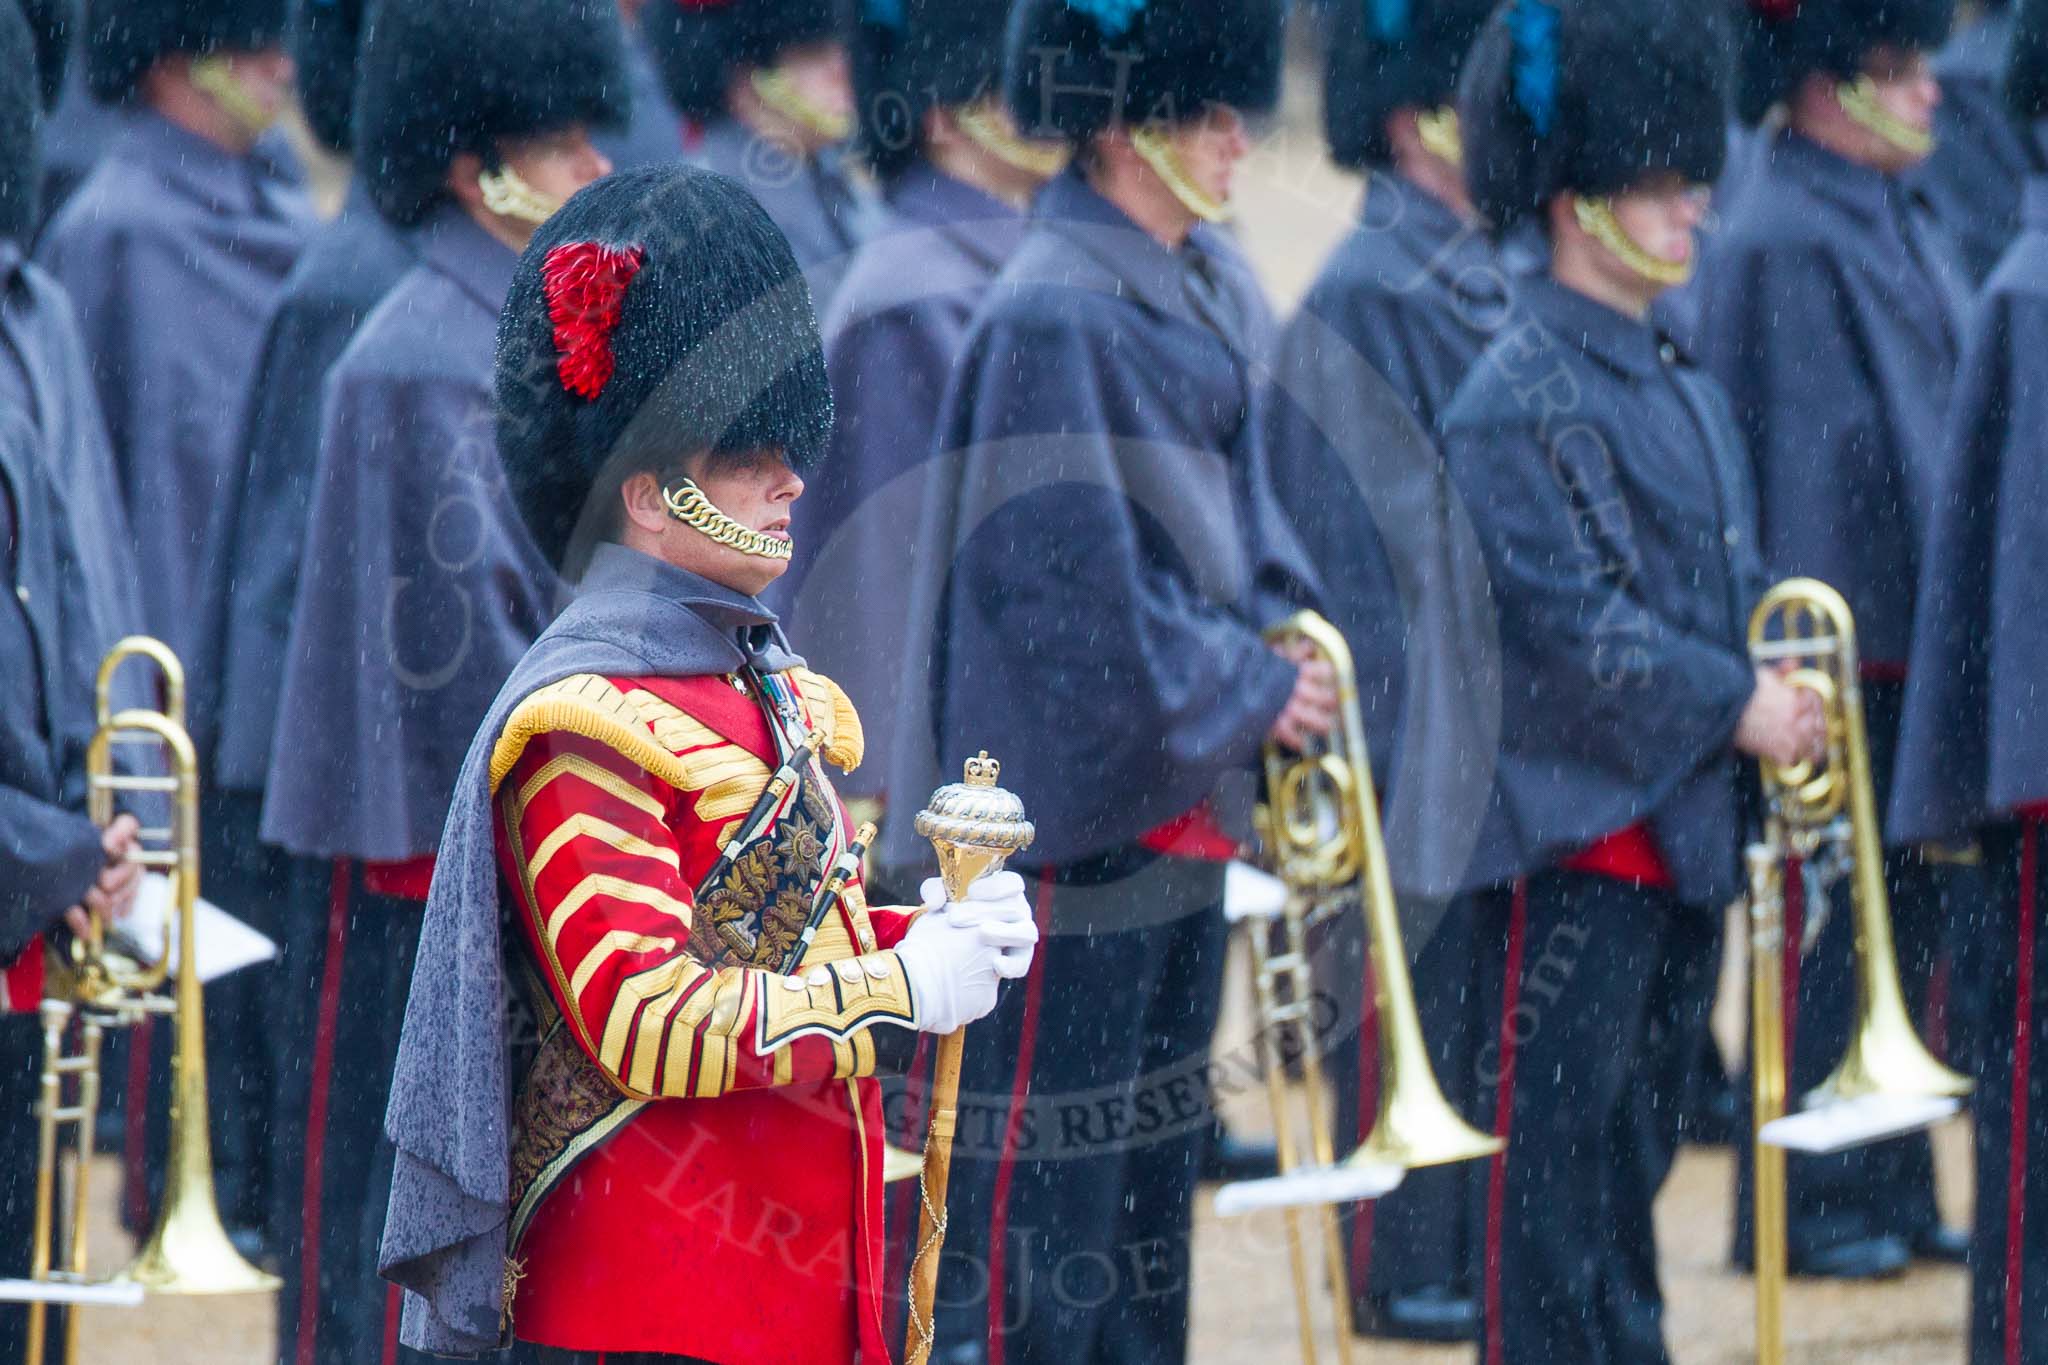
(844, 743)
(588, 706)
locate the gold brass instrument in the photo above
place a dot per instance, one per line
(187, 1251)
(1321, 830)
(1818, 811)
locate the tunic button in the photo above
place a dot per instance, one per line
(1732, 536)
(1668, 353)
(792, 983)
(21, 593)
(879, 968)
(818, 976)
(849, 971)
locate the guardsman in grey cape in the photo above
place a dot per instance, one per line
(1831, 307)
(173, 251)
(957, 182)
(1100, 557)
(1608, 484)
(419, 588)
(348, 264)
(770, 86)
(57, 618)
(1400, 311)
(1973, 747)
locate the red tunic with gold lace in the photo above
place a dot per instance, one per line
(697, 1146)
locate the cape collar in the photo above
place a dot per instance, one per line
(985, 227)
(1070, 206)
(1636, 349)
(751, 628)
(1863, 190)
(1395, 203)
(196, 168)
(452, 243)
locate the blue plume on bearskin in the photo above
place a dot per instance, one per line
(1533, 26)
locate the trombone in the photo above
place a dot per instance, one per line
(1824, 813)
(1321, 829)
(98, 985)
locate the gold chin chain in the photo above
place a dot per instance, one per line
(1438, 129)
(1596, 216)
(686, 503)
(1860, 102)
(989, 128)
(214, 76)
(779, 93)
(1158, 152)
(507, 194)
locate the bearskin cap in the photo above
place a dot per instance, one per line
(2026, 65)
(910, 55)
(1592, 97)
(660, 313)
(697, 43)
(1783, 41)
(21, 116)
(442, 77)
(1075, 67)
(124, 38)
(1387, 55)
(325, 38)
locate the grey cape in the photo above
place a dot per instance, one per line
(420, 586)
(445, 1232)
(173, 252)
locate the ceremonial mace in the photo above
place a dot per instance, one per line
(974, 826)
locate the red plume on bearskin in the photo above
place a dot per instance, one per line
(586, 291)
(1774, 11)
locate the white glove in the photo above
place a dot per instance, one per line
(998, 906)
(954, 968)
(1000, 897)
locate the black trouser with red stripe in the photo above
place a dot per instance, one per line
(21, 1071)
(350, 955)
(244, 1046)
(2009, 1241)
(1071, 1211)
(1426, 1232)
(1607, 988)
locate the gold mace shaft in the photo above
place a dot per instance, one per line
(974, 826)
(960, 870)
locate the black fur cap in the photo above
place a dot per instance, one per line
(716, 348)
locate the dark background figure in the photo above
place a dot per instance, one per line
(655, 132)
(418, 588)
(1409, 298)
(1980, 158)
(1831, 307)
(1100, 553)
(1973, 745)
(347, 266)
(55, 623)
(769, 85)
(173, 250)
(956, 181)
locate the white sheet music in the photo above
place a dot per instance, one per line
(225, 943)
